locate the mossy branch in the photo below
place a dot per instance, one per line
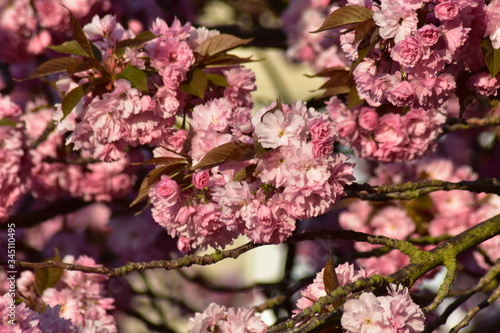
(413, 190)
(419, 265)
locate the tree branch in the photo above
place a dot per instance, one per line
(419, 265)
(413, 190)
(463, 124)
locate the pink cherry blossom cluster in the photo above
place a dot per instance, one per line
(106, 125)
(296, 177)
(85, 307)
(391, 313)
(299, 19)
(395, 312)
(392, 137)
(47, 170)
(217, 318)
(408, 79)
(57, 173)
(30, 321)
(28, 27)
(441, 213)
(14, 160)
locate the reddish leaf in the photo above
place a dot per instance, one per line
(330, 280)
(161, 161)
(53, 66)
(153, 177)
(89, 63)
(224, 59)
(80, 36)
(344, 16)
(338, 79)
(220, 43)
(364, 29)
(330, 71)
(245, 173)
(231, 151)
(139, 40)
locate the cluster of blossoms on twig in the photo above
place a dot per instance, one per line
(406, 60)
(231, 172)
(61, 301)
(280, 167)
(395, 312)
(217, 318)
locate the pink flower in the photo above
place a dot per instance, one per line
(407, 52)
(322, 148)
(212, 116)
(231, 320)
(402, 94)
(403, 314)
(320, 129)
(493, 28)
(277, 129)
(200, 179)
(167, 189)
(482, 83)
(427, 35)
(390, 130)
(447, 10)
(364, 314)
(392, 222)
(395, 21)
(368, 118)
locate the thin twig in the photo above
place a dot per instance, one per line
(472, 312)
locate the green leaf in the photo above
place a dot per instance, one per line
(80, 36)
(161, 161)
(491, 57)
(197, 85)
(137, 77)
(353, 99)
(96, 52)
(71, 100)
(231, 151)
(362, 53)
(52, 66)
(219, 80)
(220, 43)
(7, 122)
(139, 40)
(71, 47)
(47, 277)
(245, 173)
(153, 177)
(494, 104)
(344, 16)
